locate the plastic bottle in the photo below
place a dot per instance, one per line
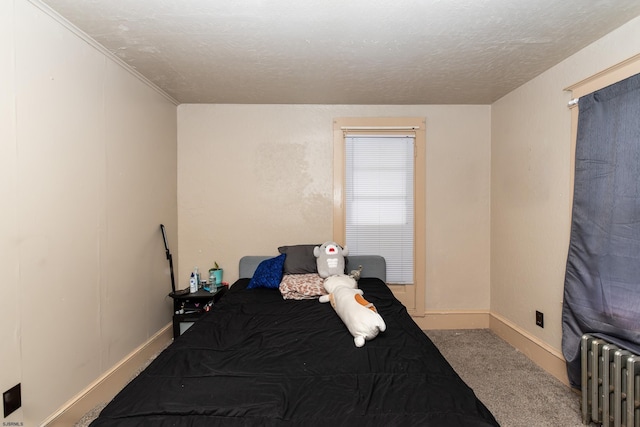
(193, 283)
(212, 280)
(197, 273)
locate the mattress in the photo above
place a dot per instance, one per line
(259, 360)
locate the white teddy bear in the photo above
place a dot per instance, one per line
(330, 259)
(358, 314)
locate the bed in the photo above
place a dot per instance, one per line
(257, 359)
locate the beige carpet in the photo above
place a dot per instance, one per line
(516, 391)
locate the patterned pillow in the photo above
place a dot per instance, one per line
(302, 286)
(268, 274)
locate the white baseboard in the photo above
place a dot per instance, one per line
(548, 358)
(110, 383)
(453, 320)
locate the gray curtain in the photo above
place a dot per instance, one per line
(602, 282)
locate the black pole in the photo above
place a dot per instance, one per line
(169, 257)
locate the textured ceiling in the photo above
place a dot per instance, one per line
(343, 52)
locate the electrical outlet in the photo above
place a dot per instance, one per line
(11, 400)
(540, 319)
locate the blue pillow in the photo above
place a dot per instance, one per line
(268, 274)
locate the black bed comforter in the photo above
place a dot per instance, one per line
(259, 360)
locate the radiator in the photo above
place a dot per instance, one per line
(610, 384)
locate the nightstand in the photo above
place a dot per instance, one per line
(194, 306)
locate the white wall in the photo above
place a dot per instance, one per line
(530, 187)
(88, 161)
(254, 177)
(11, 372)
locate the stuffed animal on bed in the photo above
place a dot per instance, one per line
(358, 314)
(330, 259)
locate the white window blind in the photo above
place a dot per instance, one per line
(379, 201)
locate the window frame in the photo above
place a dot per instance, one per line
(411, 295)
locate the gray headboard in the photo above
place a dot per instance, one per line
(372, 265)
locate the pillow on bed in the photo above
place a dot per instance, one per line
(268, 274)
(302, 286)
(300, 259)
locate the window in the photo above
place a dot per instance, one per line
(379, 198)
(379, 201)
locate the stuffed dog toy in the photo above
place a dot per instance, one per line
(358, 314)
